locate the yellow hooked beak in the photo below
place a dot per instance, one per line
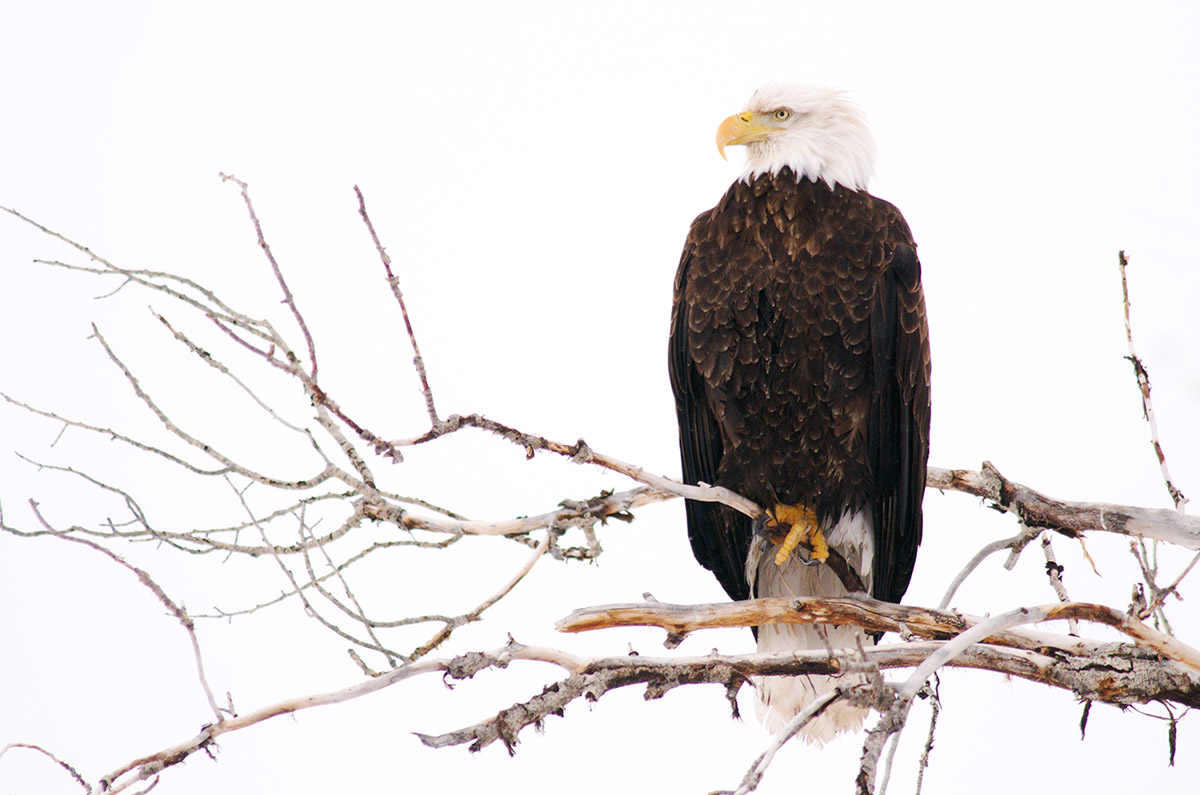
(742, 128)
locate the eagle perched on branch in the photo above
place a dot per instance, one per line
(799, 359)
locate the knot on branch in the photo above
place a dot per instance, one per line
(559, 552)
(465, 666)
(380, 511)
(584, 515)
(448, 425)
(600, 509)
(581, 453)
(674, 639)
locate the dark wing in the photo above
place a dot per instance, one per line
(898, 429)
(720, 536)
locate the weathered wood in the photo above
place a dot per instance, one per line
(1035, 509)
(876, 616)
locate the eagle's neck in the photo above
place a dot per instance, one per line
(795, 188)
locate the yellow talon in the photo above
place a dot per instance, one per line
(803, 529)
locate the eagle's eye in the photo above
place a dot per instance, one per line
(783, 114)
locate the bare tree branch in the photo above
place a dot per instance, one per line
(70, 770)
(1054, 572)
(1069, 518)
(893, 720)
(1015, 543)
(474, 615)
(207, 449)
(213, 362)
(935, 703)
(581, 453)
(1143, 379)
(394, 285)
(875, 616)
(145, 579)
(1123, 675)
(803, 718)
(113, 435)
(288, 298)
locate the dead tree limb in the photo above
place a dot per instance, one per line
(1122, 674)
(876, 616)
(1071, 519)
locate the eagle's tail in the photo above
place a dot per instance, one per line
(781, 698)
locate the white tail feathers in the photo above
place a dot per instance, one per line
(781, 698)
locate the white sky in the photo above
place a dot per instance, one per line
(533, 169)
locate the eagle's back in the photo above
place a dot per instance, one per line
(800, 363)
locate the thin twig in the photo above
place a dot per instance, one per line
(575, 513)
(70, 770)
(1054, 571)
(893, 744)
(216, 364)
(1162, 593)
(394, 284)
(356, 460)
(208, 735)
(114, 436)
(581, 453)
(143, 277)
(288, 298)
(309, 608)
(894, 719)
(358, 612)
(440, 637)
(1143, 379)
(207, 449)
(935, 703)
(1018, 541)
(145, 579)
(803, 718)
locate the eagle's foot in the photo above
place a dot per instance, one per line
(801, 522)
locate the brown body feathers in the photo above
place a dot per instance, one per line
(799, 358)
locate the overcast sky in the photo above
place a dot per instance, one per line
(533, 169)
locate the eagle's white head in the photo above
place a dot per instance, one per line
(815, 131)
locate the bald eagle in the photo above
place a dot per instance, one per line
(799, 359)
